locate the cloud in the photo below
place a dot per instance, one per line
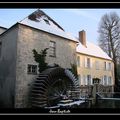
(83, 13)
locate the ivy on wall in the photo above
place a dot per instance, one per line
(40, 58)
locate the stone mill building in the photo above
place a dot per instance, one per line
(17, 65)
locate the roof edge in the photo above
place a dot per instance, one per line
(47, 32)
(3, 27)
(95, 56)
(9, 29)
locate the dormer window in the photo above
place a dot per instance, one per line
(47, 22)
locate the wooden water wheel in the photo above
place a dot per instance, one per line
(51, 86)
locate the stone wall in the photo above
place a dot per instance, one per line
(29, 39)
(8, 67)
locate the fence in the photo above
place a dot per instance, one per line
(86, 91)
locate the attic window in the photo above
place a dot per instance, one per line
(47, 22)
(33, 17)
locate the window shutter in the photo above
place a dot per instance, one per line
(107, 66)
(107, 79)
(103, 80)
(111, 67)
(52, 49)
(91, 80)
(111, 81)
(78, 61)
(104, 65)
(90, 63)
(81, 80)
(86, 82)
(85, 62)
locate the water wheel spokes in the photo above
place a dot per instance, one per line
(51, 87)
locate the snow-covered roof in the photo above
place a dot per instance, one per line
(3, 27)
(41, 21)
(92, 49)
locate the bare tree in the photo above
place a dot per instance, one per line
(109, 37)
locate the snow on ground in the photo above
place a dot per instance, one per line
(71, 103)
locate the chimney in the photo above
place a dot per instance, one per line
(82, 37)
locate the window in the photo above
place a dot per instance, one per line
(105, 80)
(0, 48)
(32, 69)
(88, 79)
(97, 65)
(47, 21)
(88, 63)
(78, 61)
(109, 81)
(84, 80)
(105, 65)
(52, 49)
(109, 66)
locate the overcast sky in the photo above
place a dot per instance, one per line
(71, 20)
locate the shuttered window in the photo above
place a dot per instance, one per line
(105, 80)
(78, 61)
(88, 63)
(109, 66)
(88, 79)
(105, 65)
(109, 81)
(52, 49)
(84, 80)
